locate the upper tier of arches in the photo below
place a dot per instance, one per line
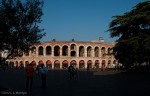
(69, 50)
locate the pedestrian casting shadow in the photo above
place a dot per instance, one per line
(88, 83)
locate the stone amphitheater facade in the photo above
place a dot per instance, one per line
(61, 54)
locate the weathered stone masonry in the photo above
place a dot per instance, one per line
(60, 54)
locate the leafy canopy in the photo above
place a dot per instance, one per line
(133, 30)
(19, 24)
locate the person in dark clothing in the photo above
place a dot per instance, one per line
(71, 71)
(43, 72)
(29, 74)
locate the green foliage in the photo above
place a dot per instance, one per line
(133, 30)
(19, 24)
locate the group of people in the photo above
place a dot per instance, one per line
(41, 69)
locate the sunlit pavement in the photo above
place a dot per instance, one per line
(92, 83)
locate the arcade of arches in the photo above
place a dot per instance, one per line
(59, 55)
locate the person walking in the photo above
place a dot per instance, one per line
(29, 74)
(43, 72)
(71, 71)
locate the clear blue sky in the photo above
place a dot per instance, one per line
(83, 20)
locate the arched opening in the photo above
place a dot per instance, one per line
(21, 64)
(49, 64)
(109, 64)
(103, 53)
(33, 51)
(65, 64)
(48, 50)
(96, 52)
(81, 51)
(89, 64)
(103, 64)
(40, 62)
(26, 53)
(65, 51)
(34, 63)
(73, 50)
(16, 53)
(73, 47)
(89, 51)
(20, 53)
(40, 50)
(11, 64)
(109, 52)
(16, 64)
(97, 64)
(56, 64)
(74, 63)
(114, 62)
(26, 63)
(56, 51)
(81, 64)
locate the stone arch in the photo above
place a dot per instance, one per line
(89, 63)
(11, 64)
(26, 53)
(34, 63)
(40, 50)
(96, 52)
(49, 64)
(73, 47)
(40, 62)
(89, 51)
(16, 53)
(97, 64)
(81, 51)
(109, 51)
(33, 51)
(65, 64)
(103, 51)
(65, 50)
(16, 64)
(109, 64)
(48, 50)
(74, 63)
(81, 64)
(103, 64)
(56, 50)
(20, 53)
(56, 64)
(21, 64)
(26, 63)
(73, 50)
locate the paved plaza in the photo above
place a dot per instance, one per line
(92, 83)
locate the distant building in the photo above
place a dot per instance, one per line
(60, 54)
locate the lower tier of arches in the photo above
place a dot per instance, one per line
(63, 64)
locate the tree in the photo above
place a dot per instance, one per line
(19, 25)
(133, 30)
